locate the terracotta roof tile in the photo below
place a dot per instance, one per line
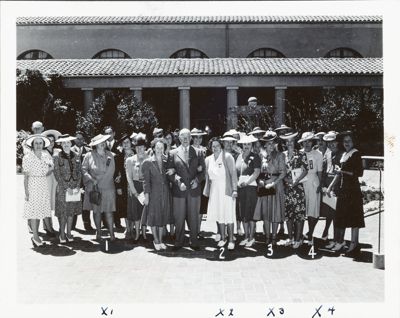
(196, 19)
(214, 66)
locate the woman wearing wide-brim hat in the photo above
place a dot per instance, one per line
(135, 180)
(271, 197)
(349, 206)
(98, 169)
(37, 165)
(52, 135)
(295, 204)
(329, 211)
(68, 173)
(248, 166)
(312, 186)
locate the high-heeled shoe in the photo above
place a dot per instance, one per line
(156, 246)
(36, 243)
(353, 248)
(62, 241)
(70, 238)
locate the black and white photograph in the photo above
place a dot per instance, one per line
(199, 159)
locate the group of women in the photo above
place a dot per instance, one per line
(259, 176)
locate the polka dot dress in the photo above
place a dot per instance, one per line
(38, 205)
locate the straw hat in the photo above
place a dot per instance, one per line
(65, 137)
(98, 139)
(197, 132)
(31, 138)
(269, 136)
(288, 135)
(308, 135)
(257, 130)
(247, 139)
(228, 137)
(282, 127)
(319, 135)
(53, 132)
(330, 136)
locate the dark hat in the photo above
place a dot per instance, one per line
(120, 140)
(140, 139)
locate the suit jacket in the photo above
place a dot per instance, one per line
(186, 173)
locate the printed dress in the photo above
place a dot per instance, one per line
(295, 203)
(38, 205)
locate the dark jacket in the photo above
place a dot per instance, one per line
(186, 173)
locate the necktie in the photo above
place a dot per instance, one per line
(186, 155)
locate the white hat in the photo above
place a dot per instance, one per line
(288, 135)
(228, 137)
(197, 132)
(98, 139)
(53, 132)
(308, 135)
(247, 139)
(257, 130)
(330, 136)
(65, 137)
(31, 138)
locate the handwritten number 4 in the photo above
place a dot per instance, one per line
(222, 250)
(311, 252)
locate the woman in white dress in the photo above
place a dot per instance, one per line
(37, 165)
(221, 188)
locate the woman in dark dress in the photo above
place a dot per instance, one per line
(121, 182)
(248, 166)
(156, 194)
(349, 208)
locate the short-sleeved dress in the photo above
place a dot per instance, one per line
(271, 208)
(313, 199)
(156, 185)
(247, 195)
(349, 208)
(102, 168)
(221, 207)
(67, 172)
(295, 203)
(38, 205)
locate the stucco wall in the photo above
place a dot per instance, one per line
(160, 41)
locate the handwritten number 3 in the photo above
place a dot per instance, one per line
(270, 251)
(222, 250)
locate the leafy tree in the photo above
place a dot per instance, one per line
(92, 123)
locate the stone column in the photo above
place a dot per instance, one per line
(184, 107)
(232, 103)
(88, 95)
(137, 93)
(280, 100)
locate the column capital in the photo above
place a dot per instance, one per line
(232, 87)
(135, 88)
(184, 87)
(87, 88)
(280, 87)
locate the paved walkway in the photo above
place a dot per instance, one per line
(81, 272)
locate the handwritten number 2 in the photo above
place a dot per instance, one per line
(222, 250)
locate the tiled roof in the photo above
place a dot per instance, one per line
(197, 19)
(212, 66)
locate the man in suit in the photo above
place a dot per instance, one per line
(188, 168)
(80, 149)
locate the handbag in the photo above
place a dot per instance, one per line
(95, 196)
(261, 190)
(74, 197)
